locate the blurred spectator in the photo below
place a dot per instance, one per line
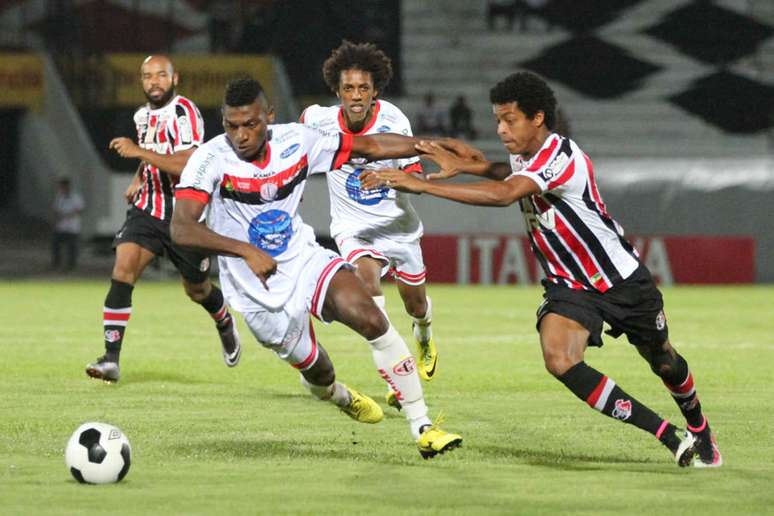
(501, 9)
(527, 8)
(431, 119)
(220, 13)
(562, 124)
(461, 120)
(68, 205)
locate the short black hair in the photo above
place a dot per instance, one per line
(357, 56)
(242, 92)
(530, 92)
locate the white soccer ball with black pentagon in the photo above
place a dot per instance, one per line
(98, 453)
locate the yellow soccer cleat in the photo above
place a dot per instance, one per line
(427, 359)
(362, 408)
(433, 441)
(392, 400)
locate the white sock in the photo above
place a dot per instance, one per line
(381, 302)
(422, 329)
(336, 393)
(398, 368)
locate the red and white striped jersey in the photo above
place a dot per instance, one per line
(576, 241)
(257, 202)
(382, 212)
(172, 128)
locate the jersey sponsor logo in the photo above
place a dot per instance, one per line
(622, 409)
(405, 367)
(112, 335)
(555, 167)
(364, 197)
(290, 150)
(384, 129)
(271, 231)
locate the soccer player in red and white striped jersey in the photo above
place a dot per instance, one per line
(593, 275)
(169, 129)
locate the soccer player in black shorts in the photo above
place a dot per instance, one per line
(593, 275)
(169, 129)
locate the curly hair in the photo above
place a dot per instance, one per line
(530, 92)
(357, 56)
(242, 92)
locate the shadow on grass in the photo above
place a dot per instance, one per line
(347, 450)
(139, 376)
(301, 394)
(568, 461)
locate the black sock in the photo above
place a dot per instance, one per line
(215, 305)
(602, 394)
(680, 385)
(115, 317)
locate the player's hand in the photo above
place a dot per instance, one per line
(450, 163)
(133, 188)
(461, 149)
(261, 264)
(125, 147)
(391, 178)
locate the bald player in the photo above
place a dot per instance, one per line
(169, 129)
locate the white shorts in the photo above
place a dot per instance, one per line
(288, 331)
(402, 259)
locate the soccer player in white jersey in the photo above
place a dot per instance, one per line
(593, 275)
(378, 231)
(169, 128)
(271, 268)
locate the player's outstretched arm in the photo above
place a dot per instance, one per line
(187, 231)
(384, 146)
(455, 157)
(170, 163)
(484, 193)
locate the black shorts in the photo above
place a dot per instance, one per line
(153, 234)
(634, 307)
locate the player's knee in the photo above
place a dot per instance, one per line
(371, 322)
(663, 364)
(557, 365)
(416, 307)
(197, 292)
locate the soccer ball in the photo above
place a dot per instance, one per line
(98, 453)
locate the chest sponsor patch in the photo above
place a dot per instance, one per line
(271, 231)
(364, 197)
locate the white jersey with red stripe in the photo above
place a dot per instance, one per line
(257, 202)
(382, 212)
(576, 241)
(172, 128)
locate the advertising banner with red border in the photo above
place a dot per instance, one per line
(505, 259)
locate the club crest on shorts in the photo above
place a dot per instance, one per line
(405, 367)
(204, 264)
(660, 320)
(622, 410)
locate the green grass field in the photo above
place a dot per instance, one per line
(249, 440)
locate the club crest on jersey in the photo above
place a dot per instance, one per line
(660, 320)
(269, 192)
(271, 231)
(290, 150)
(622, 409)
(364, 197)
(184, 129)
(405, 367)
(555, 167)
